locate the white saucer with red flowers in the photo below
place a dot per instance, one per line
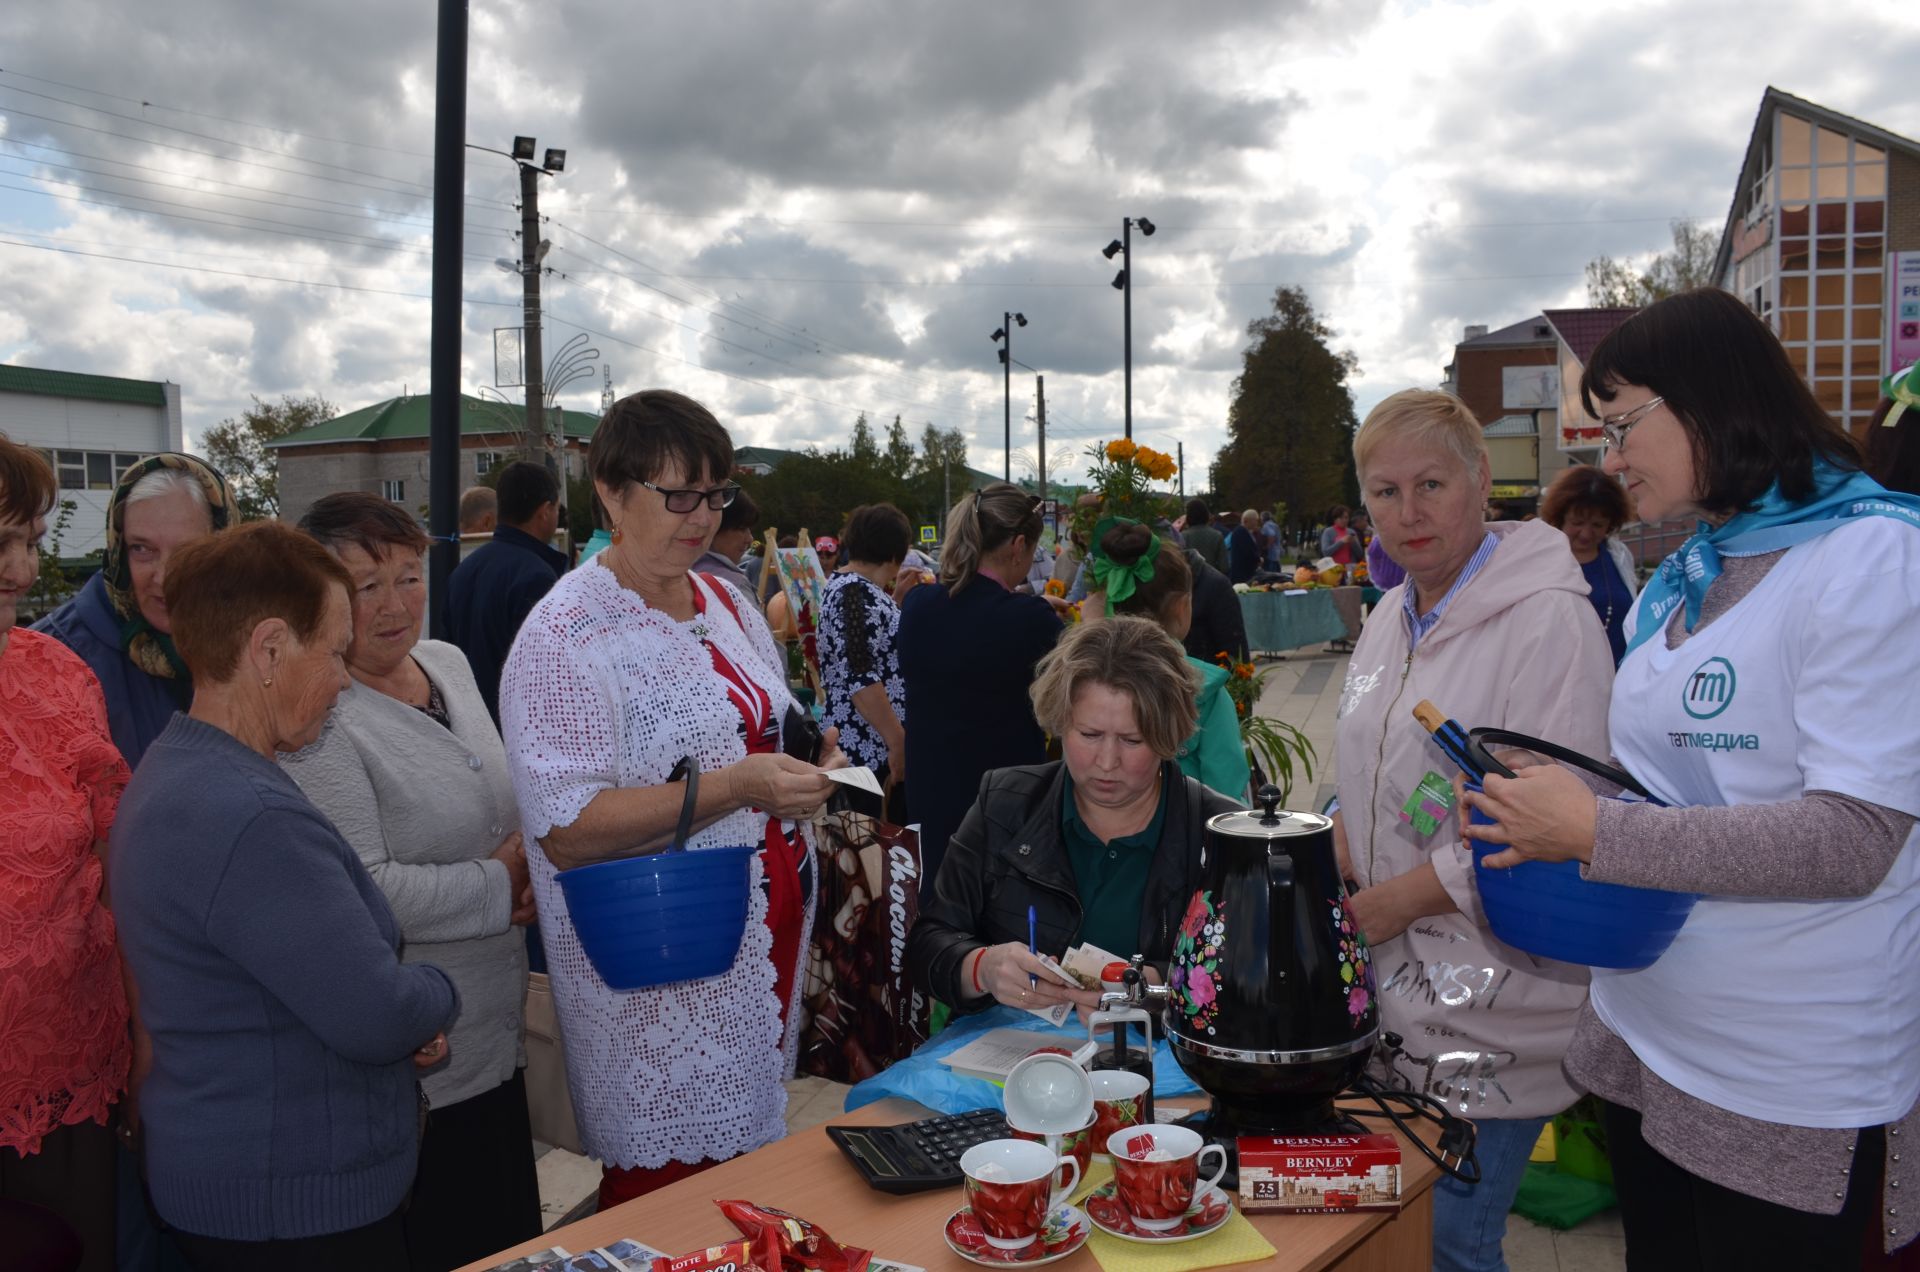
(1065, 1231)
(1211, 1208)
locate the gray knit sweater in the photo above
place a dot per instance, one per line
(425, 807)
(1752, 850)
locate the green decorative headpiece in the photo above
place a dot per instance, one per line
(1899, 386)
(1109, 576)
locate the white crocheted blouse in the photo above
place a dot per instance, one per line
(601, 691)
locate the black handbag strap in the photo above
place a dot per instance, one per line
(687, 769)
(1477, 740)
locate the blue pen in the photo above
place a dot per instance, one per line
(1032, 945)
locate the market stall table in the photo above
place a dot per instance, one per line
(804, 1174)
(1279, 621)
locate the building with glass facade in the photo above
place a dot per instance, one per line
(1825, 207)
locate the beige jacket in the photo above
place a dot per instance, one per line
(1484, 1026)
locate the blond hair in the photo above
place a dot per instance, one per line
(1134, 656)
(981, 523)
(1425, 417)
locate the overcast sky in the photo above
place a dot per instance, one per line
(798, 212)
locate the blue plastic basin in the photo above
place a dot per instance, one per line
(672, 916)
(1548, 910)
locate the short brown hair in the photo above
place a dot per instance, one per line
(223, 586)
(643, 432)
(374, 525)
(27, 487)
(1584, 486)
(1134, 656)
(876, 533)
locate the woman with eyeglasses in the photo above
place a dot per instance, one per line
(968, 649)
(634, 660)
(1760, 1080)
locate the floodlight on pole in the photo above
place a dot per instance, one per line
(523, 149)
(1004, 334)
(1123, 283)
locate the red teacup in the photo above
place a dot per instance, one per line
(1075, 1144)
(1119, 1101)
(1156, 1172)
(1010, 1187)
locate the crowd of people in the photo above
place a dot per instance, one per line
(273, 866)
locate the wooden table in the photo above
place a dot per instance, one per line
(806, 1175)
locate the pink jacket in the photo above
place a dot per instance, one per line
(1484, 1025)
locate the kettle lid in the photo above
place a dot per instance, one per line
(1269, 821)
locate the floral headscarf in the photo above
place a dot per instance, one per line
(152, 651)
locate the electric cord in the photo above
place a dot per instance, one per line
(1455, 1155)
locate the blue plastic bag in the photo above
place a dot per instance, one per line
(922, 1078)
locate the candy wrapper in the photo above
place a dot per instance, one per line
(734, 1256)
(788, 1243)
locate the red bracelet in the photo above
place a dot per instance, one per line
(978, 988)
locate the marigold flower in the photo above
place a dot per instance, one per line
(1121, 449)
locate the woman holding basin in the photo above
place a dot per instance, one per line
(632, 662)
(1493, 624)
(1102, 847)
(1759, 1078)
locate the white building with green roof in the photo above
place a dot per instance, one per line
(91, 428)
(383, 449)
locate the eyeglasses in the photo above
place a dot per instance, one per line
(685, 501)
(1616, 427)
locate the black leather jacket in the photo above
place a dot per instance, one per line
(1008, 854)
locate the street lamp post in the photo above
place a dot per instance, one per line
(533, 250)
(1123, 282)
(1005, 337)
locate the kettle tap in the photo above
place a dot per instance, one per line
(1125, 985)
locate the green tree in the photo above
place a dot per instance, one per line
(898, 458)
(1290, 425)
(1613, 284)
(864, 449)
(238, 448)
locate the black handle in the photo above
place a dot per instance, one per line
(1477, 738)
(687, 769)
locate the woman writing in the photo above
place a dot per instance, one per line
(63, 1012)
(1103, 846)
(411, 772)
(1135, 571)
(1494, 626)
(968, 649)
(632, 662)
(1760, 1079)
(1587, 506)
(281, 1120)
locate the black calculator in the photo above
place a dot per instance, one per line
(916, 1156)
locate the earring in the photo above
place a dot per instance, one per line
(615, 535)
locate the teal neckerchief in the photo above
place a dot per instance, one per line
(1839, 494)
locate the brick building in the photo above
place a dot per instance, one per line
(1822, 234)
(383, 449)
(1507, 378)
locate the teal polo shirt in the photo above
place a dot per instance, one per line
(1111, 877)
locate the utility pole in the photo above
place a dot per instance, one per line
(1181, 460)
(1123, 283)
(443, 357)
(946, 487)
(530, 313)
(1040, 390)
(1004, 337)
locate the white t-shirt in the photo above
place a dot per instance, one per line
(1803, 1012)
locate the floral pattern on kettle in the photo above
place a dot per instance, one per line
(1356, 965)
(1195, 974)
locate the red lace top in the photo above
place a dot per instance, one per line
(63, 1011)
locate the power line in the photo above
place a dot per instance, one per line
(64, 240)
(214, 194)
(359, 207)
(234, 273)
(182, 110)
(225, 141)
